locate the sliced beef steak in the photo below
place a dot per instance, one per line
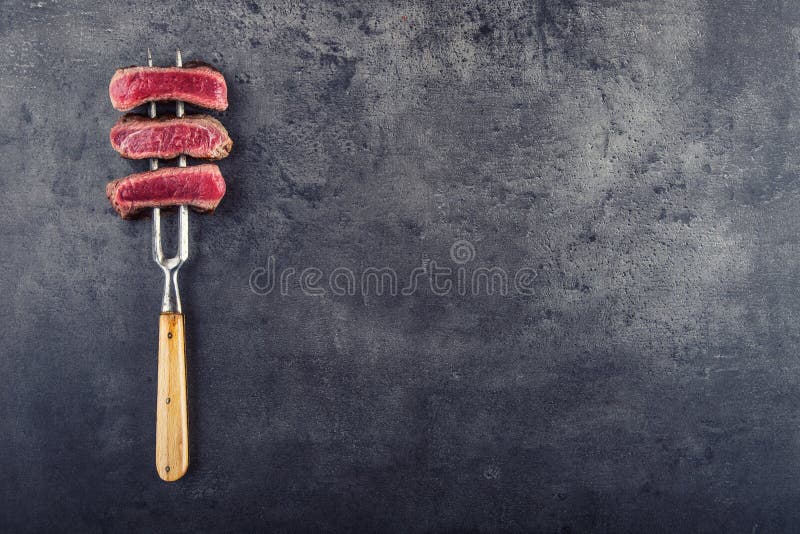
(200, 186)
(195, 83)
(198, 136)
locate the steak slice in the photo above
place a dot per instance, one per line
(195, 83)
(199, 186)
(198, 136)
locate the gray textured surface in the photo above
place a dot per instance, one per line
(640, 155)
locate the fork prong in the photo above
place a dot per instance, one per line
(179, 111)
(183, 245)
(158, 253)
(151, 110)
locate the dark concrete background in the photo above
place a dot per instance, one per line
(640, 155)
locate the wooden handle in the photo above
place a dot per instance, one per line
(172, 425)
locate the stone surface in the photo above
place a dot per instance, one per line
(636, 159)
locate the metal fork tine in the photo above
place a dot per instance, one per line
(158, 254)
(178, 104)
(152, 112)
(183, 248)
(183, 245)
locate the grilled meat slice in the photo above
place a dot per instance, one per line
(198, 136)
(199, 186)
(196, 83)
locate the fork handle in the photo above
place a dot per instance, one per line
(172, 428)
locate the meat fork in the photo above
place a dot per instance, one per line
(172, 425)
